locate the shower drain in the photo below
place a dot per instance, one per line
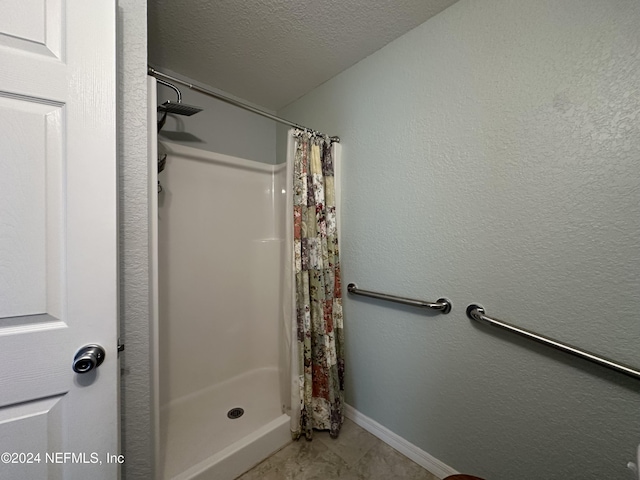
(235, 413)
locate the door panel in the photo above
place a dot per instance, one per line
(31, 210)
(33, 426)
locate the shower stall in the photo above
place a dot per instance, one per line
(221, 358)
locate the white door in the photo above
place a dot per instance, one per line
(58, 265)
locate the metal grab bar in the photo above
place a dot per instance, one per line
(442, 304)
(476, 312)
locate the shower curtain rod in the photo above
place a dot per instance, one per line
(163, 76)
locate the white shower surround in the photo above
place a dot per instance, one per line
(221, 339)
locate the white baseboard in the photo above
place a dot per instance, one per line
(398, 443)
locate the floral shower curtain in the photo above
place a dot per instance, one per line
(317, 340)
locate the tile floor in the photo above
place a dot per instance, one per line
(354, 455)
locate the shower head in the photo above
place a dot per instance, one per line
(178, 108)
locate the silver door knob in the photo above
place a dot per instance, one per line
(88, 358)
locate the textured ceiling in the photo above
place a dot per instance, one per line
(271, 52)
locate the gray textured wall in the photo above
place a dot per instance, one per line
(220, 127)
(137, 433)
(491, 155)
